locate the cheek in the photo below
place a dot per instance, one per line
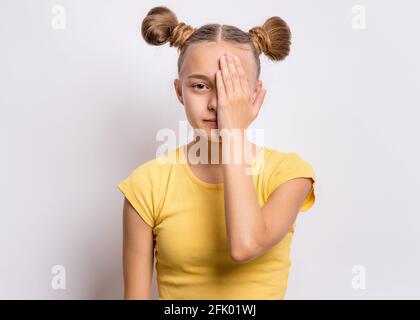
(195, 104)
(194, 111)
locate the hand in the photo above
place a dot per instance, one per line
(235, 106)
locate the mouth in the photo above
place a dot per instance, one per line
(211, 122)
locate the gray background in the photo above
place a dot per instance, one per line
(80, 109)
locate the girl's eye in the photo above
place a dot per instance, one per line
(198, 85)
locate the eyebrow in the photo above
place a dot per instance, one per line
(199, 76)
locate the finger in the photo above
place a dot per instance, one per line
(221, 91)
(233, 73)
(242, 77)
(226, 76)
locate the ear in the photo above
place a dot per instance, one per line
(178, 90)
(258, 87)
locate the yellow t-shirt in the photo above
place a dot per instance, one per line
(188, 220)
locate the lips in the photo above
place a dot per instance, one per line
(212, 122)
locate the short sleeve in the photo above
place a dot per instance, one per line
(289, 167)
(141, 188)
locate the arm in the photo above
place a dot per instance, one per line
(137, 255)
(253, 230)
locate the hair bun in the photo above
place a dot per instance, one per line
(272, 39)
(161, 25)
(180, 34)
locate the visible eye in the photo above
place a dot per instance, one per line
(198, 84)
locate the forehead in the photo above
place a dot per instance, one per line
(204, 57)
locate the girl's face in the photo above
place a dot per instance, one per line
(196, 86)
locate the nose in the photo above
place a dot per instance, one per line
(213, 102)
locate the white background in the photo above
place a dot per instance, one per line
(81, 106)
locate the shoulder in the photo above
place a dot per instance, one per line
(145, 187)
(280, 167)
(150, 178)
(156, 168)
(285, 161)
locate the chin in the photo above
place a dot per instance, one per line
(212, 134)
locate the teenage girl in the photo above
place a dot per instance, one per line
(214, 230)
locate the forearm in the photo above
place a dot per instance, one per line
(244, 220)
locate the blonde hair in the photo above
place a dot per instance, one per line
(272, 38)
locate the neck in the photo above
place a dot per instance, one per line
(214, 150)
